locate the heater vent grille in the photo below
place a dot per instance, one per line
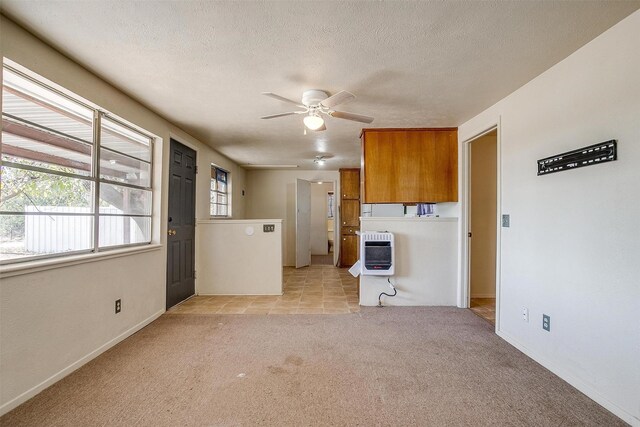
(376, 236)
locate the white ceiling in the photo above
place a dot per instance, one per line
(203, 64)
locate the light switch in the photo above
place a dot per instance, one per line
(506, 220)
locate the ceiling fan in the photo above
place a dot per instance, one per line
(315, 103)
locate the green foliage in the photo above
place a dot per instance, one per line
(20, 188)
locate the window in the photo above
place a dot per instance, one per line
(72, 178)
(219, 192)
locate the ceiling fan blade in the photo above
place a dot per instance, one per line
(351, 116)
(321, 128)
(339, 98)
(283, 99)
(273, 116)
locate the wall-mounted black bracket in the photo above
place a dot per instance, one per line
(587, 156)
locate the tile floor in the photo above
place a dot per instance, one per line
(485, 308)
(319, 289)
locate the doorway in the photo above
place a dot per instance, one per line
(315, 223)
(322, 223)
(181, 224)
(482, 224)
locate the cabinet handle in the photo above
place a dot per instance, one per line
(344, 238)
(344, 223)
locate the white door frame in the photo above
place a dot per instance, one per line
(464, 289)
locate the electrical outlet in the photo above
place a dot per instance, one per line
(506, 220)
(269, 228)
(118, 306)
(546, 322)
(525, 314)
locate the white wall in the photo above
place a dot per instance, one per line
(572, 249)
(425, 262)
(236, 257)
(53, 321)
(319, 225)
(271, 194)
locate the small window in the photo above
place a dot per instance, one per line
(220, 205)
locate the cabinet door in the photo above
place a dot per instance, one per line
(350, 213)
(350, 183)
(349, 230)
(445, 175)
(386, 168)
(410, 166)
(348, 250)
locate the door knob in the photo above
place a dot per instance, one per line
(171, 232)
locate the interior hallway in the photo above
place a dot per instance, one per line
(318, 289)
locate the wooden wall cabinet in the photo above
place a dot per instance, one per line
(410, 165)
(350, 184)
(349, 216)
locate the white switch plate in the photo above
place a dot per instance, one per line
(525, 314)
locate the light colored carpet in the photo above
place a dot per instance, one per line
(382, 366)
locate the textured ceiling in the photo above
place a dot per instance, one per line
(203, 64)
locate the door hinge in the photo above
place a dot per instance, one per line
(195, 274)
(196, 169)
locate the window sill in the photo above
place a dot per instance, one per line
(29, 267)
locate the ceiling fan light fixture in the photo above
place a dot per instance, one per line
(319, 160)
(313, 122)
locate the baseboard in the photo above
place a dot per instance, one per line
(576, 382)
(483, 295)
(17, 401)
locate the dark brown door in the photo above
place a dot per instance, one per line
(181, 227)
